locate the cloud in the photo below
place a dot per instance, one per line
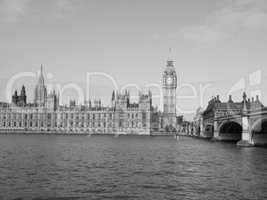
(204, 33)
(13, 10)
(18, 10)
(229, 20)
(63, 7)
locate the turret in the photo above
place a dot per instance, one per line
(113, 99)
(122, 100)
(15, 98)
(23, 97)
(52, 101)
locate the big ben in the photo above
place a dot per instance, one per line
(169, 85)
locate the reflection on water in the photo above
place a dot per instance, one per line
(104, 167)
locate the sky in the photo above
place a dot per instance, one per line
(219, 47)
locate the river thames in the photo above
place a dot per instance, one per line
(129, 167)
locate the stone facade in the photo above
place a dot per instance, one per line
(20, 100)
(244, 122)
(169, 85)
(121, 117)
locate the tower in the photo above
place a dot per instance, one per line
(113, 99)
(52, 101)
(23, 97)
(169, 85)
(40, 94)
(122, 101)
(15, 98)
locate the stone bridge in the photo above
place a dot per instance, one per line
(244, 122)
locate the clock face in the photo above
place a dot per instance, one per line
(169, 80)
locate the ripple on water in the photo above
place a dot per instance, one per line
(128, 168)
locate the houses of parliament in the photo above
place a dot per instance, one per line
(46, 115)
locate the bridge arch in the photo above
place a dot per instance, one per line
(259, 132)
(230, 131)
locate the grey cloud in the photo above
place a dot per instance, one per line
(19, 10)
(229, 21)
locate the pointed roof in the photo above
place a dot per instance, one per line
(170, 60)
(169, 66)
(41, 77)
(113, 95)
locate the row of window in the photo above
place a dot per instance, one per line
(59, 116)
(22, 124)
(63, 116)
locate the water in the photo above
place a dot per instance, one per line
(104, 167)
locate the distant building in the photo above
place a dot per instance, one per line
(122, 116)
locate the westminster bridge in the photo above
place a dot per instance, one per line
(244, 122)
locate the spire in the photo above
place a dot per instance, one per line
(244, 96)
(41, 76)
(40, 94)
(170, 52)
(23, 91)
(170, 60)
(113, 95)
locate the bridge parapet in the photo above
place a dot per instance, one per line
(235, 120)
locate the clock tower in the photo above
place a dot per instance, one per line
(169, 85)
